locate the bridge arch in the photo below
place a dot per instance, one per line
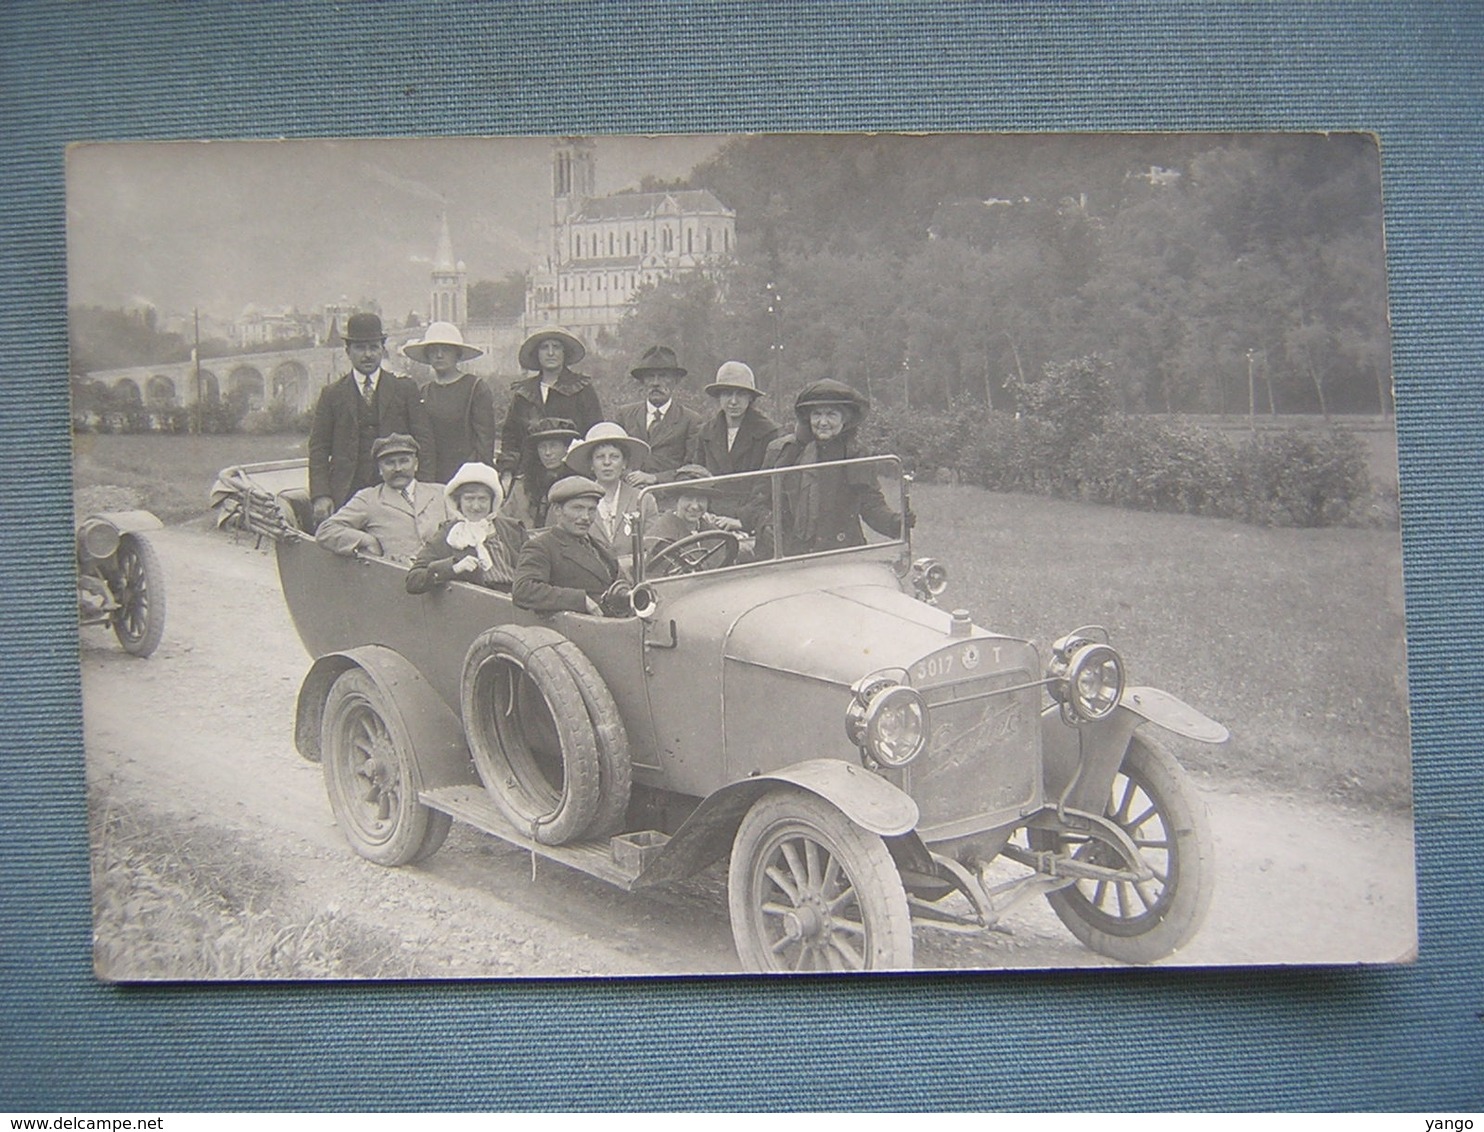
(126, 389)
(289, 383)
(211, 390)
(246, 382)
(159, 390)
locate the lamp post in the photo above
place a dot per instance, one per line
(1251, 395)
(775, 313)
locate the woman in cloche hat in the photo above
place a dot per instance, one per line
(476, 545)
(736, 437)
(823, 509)
(542, 463)
(460, 405)
(556, 390)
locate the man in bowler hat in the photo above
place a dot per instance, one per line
(366, 403)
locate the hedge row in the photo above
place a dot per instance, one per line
(1301, 477)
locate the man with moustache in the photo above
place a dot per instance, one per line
(351, 413)
(662, 422)
(394, 518)
(563, 567)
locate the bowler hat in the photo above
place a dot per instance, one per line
(364, 327)
(396, 442)
(575, 349)
(440, 334)
(735, 375)
(657, 360)
(573, 487)
(580, 454)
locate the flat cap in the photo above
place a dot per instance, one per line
(396, 442)
(573, 487)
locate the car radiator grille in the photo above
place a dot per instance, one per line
(982, 764)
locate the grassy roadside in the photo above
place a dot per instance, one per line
(173, 902)
(1292, 638)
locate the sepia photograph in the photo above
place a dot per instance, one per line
(581, 556)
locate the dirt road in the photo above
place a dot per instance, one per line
(201, 735)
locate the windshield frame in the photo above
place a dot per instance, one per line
(636, 517)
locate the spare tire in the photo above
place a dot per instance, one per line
(615, 775)
(528, 729)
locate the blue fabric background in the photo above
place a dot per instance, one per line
(1293, 1039)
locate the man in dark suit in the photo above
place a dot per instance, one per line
(662, 422)
(562, 567)
(366, 403)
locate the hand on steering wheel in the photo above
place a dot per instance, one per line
(704, 550)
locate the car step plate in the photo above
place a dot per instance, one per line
(473, 805)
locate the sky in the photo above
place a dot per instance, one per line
(221, 225)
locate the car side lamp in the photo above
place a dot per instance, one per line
(887, 720)
(929, 578)
(1085, 675)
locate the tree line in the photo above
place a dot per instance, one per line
(1210, 273)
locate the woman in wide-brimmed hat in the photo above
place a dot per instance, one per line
(460, 405)
(476, 545)
(605, 454)
(542, 463)
(556, 390)
(823, 509)
(736, 437)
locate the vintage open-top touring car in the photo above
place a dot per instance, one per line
(119, 580)
(861, 756)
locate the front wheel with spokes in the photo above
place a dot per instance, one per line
(139, 588)
(809, 890)
(1140, 921)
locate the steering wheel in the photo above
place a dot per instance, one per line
(704, 550)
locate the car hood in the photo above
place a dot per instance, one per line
(839, 634)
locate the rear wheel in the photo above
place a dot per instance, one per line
(371, 777)
(529, 732)
(138, 586)
(1138, 922)
(809, 890)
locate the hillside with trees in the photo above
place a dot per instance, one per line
(932, 271)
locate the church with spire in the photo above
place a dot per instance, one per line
(599, 251)
(449, 298)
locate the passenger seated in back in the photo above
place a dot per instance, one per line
(477, 545)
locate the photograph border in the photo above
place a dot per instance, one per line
(1334, 1038)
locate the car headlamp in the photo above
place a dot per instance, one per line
(929, 579)
(1085, 677)
(887, 719)
(98, 539)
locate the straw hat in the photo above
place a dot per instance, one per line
(575, 349)
(440, 334)
(580, 454)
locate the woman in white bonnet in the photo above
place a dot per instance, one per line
(478, 545)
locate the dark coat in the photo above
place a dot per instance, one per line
(710, 450)
(670, 441)
(433, 565)
(340, 461)
(571, 396)
(559, 570)
(462, 417)
(822, 510)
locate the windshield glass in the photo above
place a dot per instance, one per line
(803, 508)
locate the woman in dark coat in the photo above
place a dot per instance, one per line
(824, 509)
(736, 437)
(460, 406)
(476, 545)
(542, 463)
(556, 391)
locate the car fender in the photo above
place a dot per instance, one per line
(706, 835)
(1098, 748)
(435, 733)
(127, 522)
